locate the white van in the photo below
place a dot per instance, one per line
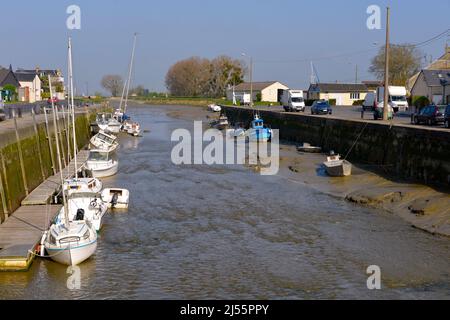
(293, 100)
(397, 95)
(369, 101)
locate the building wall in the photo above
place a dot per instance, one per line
(434, 94)
(34, 89)
(342, 98)
(270, 94)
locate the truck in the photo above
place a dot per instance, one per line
(397, 97)
(292, 100)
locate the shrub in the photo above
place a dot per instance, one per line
(420, 101)
(309, 102)
(332, 102)
(258, 96)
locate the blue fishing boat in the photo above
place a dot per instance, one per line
(258, 131)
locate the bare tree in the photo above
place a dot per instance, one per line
(200, 77)
(404, 62)
(113, 83)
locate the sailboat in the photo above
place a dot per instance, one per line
(69, 242)
(131, 127)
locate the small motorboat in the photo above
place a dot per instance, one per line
(104, 141)
(214, 108)
(116, 198)
(258, 131)
(336, 167)
(221, 124)
(101, 163)
(131, 127)
(106, 122)
(71, 243)
(306, 147)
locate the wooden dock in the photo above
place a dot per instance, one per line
(20, 234)
(43, 193)
(23, 230)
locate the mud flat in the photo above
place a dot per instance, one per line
(424, 207)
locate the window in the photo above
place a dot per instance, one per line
(354, 95)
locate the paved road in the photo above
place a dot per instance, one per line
(354, 113)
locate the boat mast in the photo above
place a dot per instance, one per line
(130, 72)
(72, 109)
(58, 152)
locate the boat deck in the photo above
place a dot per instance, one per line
(43, 193)
(20, 234)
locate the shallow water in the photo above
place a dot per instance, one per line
(195, 232)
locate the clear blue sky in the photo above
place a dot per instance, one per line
(281, 35)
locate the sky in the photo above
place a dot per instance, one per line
(282, 36)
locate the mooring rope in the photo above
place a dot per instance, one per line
(354, 143)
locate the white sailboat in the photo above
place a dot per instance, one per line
(69, 242)
(131, 127)
(101, 163)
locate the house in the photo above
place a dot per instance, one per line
(442, 63)
(30, 87)
(270, 91)
(7, 77)
(344, 93)
(432, 84)
(57, 80)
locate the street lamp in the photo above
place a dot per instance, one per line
(443, 84)
(251, 79)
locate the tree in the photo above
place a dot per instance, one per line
(113, 83)
(404, 62)
(201, 77)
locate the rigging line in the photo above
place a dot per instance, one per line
(354, 143)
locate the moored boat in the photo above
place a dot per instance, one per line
(336, 167)
(104, 141)
(101, 163)
(258, 131)
(306, 147)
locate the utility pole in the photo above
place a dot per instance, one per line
(251, 82)
(356, 74)
(386, 70)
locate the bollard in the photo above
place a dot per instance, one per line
(362, 113)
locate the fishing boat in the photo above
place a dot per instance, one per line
(104, 141)
(306, 147)
(87, 184)
(258, 131)
(68, 242)
(221, 123)
(116, 198)
(336, 167)
(101, 163)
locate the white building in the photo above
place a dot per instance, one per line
(30, 87)
(269, 91)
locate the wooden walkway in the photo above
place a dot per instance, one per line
(20, 234)
(43, 193)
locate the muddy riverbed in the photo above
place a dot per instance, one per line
(225, 231)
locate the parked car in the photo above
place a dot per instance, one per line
(54, 100)
(379, 110)
(430, 115)
(447, 117)
(321, 107)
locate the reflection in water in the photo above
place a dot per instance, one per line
(226, 232)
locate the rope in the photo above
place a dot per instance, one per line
(354, 143)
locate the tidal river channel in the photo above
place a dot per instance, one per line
(226, 232)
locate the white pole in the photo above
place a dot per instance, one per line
(66, 209)
(73, 109)
(129, 73)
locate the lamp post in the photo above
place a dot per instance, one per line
(251, 79)
(443, 84)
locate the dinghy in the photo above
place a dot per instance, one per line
(116, 198)
(336, 167)
(306, 147)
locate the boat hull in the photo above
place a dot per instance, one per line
(100, 172)
(72, 256)
(341, 168)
